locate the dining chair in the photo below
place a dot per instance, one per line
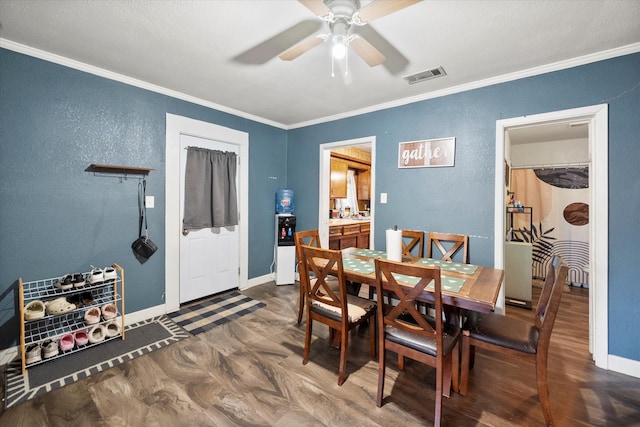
(403, 329)
(340, 311)
(447, 244)
(518, 337)
(411, 239)
(309, 238)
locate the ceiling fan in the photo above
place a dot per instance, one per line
(348, 28)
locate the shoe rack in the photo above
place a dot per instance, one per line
(54, 326)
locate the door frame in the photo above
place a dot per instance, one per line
(597, 117)
(176, 126)
(325, 174)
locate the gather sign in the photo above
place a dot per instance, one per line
(427, 153)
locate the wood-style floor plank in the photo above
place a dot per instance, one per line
(250, 373)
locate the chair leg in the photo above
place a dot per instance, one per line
(343, 357)
(456, 368)
(543, 388)
(439, 392)
(307, 340)
(300, 304)
(400, 362)
(446, 376)
(381, 372)
(464, 375)
(372, 336)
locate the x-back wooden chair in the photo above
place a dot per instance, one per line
(448, 244)
(335, 308)
(410, 240)
(308, 238)
(409, 333)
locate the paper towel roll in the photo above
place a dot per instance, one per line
(394, 245)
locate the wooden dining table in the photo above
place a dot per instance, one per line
(465, 286)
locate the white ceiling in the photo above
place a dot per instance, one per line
(187, 48)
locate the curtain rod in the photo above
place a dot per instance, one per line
(552, 166)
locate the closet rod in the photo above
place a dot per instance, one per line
(552, 166)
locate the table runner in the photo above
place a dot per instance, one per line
(449, 284)
(454, 267)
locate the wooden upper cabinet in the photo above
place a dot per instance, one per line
(338, 187)
(364, 185)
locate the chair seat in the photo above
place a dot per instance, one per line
(502, 331)
(356, 306)
(424, 344)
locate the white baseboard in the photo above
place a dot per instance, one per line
(624, 366)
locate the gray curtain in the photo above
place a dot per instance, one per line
(210, 195)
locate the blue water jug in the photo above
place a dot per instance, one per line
(284, 201)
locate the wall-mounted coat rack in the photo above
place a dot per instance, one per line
(122, 172)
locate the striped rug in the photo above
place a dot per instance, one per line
(205, 315)
(140, 338)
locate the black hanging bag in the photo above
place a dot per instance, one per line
(143, 247)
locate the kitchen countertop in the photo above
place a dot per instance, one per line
(347, 221)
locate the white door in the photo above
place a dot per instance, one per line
(208, 257)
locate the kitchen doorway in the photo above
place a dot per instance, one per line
(368, 144)
(596, 118)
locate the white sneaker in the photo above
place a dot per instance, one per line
(34, 353)
(65, 282)
(97, 334)
(110, 274)
(95, 277)
(50, 348)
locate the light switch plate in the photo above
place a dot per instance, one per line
(383, 197)
(149, 201)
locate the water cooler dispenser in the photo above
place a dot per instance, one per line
(285, 228)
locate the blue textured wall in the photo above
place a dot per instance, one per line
(55, 218)
(460, 199)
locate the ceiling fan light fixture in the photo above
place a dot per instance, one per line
(339, 49)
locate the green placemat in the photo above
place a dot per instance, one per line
(449, 284)
(358, 265)
(453, 267)
(370, 253)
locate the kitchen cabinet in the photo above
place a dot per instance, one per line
(349, 236)
(338, 185)
(363, 185)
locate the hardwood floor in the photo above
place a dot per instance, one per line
(249, 373)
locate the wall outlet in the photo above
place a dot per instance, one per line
(383, 197)
(149, 201)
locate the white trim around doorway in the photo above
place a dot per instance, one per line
(175, 126)
(597, 116)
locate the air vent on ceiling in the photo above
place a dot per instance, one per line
(425, 75)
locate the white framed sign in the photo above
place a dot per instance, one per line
(428, 153)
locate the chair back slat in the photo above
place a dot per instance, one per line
(448, 245)
(410, 240)
(550, 301)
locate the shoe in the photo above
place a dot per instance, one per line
(59, 306)
(67, 342)
(34, 310)
(97, 334)
(110, 274)
(50, 348)
(87, 298)
(113, 328)
(95, 277)
(81, 337)
(34, 353)
(78, 280)
(65, 282)
(92, 316)
(109, 311)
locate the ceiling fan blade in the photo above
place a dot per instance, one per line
(379, 8)
(316, 6)
(300, 48)
(367, 52)
(396, 62)
(271, 47)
